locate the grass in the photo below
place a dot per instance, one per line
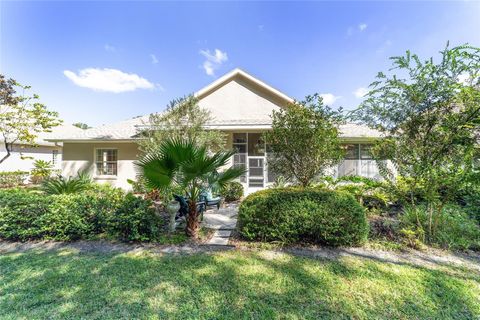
(228, 285)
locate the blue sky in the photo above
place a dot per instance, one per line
(101, 62)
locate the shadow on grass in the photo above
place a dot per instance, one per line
(226, 285)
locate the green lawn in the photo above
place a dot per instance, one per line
(228, 285)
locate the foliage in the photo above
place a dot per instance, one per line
(293, 215)
(182, 164)
(183, 119)
(62, 185)
(102, 210)
(374, 195)
(430, 120)
(304, 140)
(134, 220)
(81, 125)
(10, 179)
(22, 117)
(454, 229)
(41, 171)
(280, 182)
(232, 191)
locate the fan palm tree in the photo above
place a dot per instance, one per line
(182, 164)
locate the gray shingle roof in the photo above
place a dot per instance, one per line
(128, 129)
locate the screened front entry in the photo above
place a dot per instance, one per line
(251, 154)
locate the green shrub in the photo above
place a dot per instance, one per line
(293, 215)
(233, 191)
(371, 194)
(21, 214)
(454, 229)
(134, 220)
(62, 185)
(41, 171)
(27, 215)
(12, 179)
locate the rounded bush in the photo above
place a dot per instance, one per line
(292, 215)
(233, 191)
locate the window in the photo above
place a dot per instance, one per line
(106, 161)
(351, 152)
(256, 145)
(240, 161)
(54, 157)
(240, 158)
(240, 142)
(365, 152)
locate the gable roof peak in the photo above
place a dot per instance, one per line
(245, 75)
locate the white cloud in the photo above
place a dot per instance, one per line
(362, 26)
(360, 92)
(108, 80)
(213, 60)
(154, 58)
(329, 98)
(109, 48)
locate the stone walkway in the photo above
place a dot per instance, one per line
(223, 221)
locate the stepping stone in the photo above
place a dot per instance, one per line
(218, 241)
(222, 233)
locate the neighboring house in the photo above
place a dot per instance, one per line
(240, 105)
(23, 156)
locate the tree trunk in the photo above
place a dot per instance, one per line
(7, 148)
(192, 220)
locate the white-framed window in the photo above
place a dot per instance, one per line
(240, 157)
(106, 161)
(54, 157)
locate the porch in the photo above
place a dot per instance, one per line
(252, 152)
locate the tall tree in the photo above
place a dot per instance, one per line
(183, 119)
(429, 114)
(22, 117)
(304, 140)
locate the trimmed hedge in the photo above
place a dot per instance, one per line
(292, 215)
(233, 191)
(103, 210)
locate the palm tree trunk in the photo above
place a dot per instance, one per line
(192, 220)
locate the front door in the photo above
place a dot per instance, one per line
(256, 172)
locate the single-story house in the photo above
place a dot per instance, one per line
(240, 105)
(22, 155)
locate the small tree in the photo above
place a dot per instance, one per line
(22, 118)
(429, 115)
(182, 164)
(304, 140)
(183, 119)
(81, 125)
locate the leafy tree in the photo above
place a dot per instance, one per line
(183, 119)
(304, 140)
(183, 164)
(81, 125)
(429, 114)
(22, 117)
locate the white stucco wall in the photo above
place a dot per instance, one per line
(239, 100)
(80, 157)
(22, 157)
